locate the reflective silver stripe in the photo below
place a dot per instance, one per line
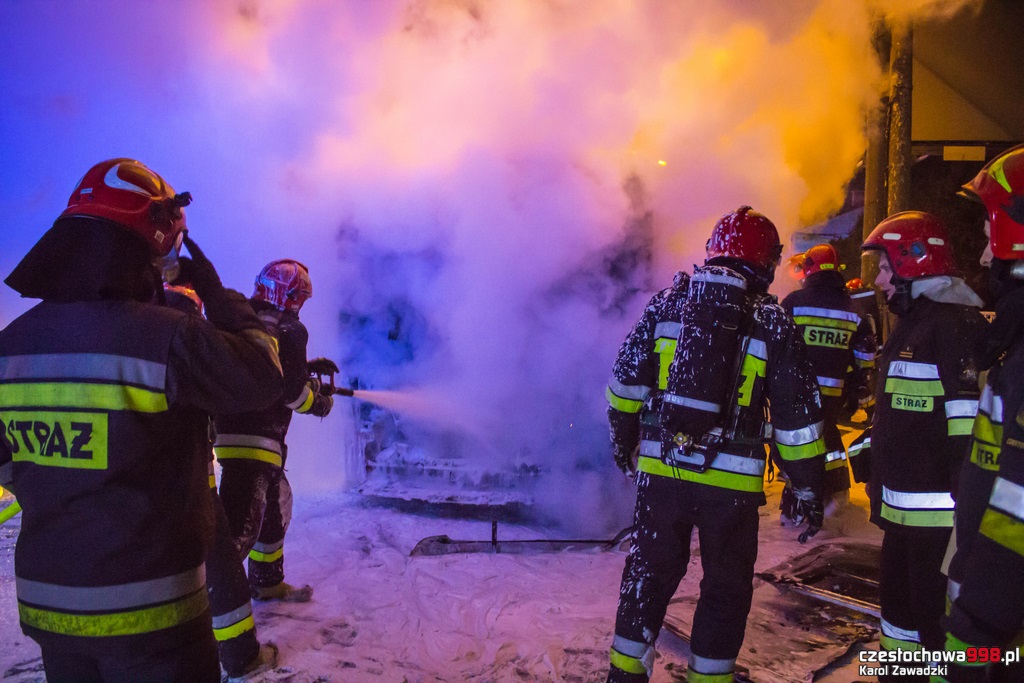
(911, 500)
(900, 633)
(830, 382)
(952, 590)
(863, 295)
(248, 440)
(6, 473)
(738, 464)
(668, 330)
(798, 437)
(725, 462)
(688, 402)
(1008, 497)
(991, 404)
(108, 598)
(910, 370)
(860, 355)
(631, 648)
(835, 455)
(826, 313)
(634, 392)
(705, 665)
(232, 617)
(757, 349)
(650, 448)
(961, 408)
(719, 278)
(72, 366)
(300, 400)
(268, 548)
(856, 447)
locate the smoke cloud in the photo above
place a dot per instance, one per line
(486, 193)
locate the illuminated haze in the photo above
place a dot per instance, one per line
(498, 169)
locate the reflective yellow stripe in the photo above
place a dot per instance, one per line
(918, 518)
(987, 431)
(257, 556)
(624, 405)
(807, 450)
(213, 481)
(825, 322)
(959, 426)
(890, 643)
(235, 630)
(135, 622)
(954, 644)
(1005, 530)
(697, 677)
(630, 665)
(835, 464)
(831, 391)
(82, 395)
(913, 387)
(864, 363)
(307, 404)
(725, 480)
(666, 350)
(247, 453)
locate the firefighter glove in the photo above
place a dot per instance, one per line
(321, 405)
(810, 508)
(625, 458)
(322, 366)
(199, 272)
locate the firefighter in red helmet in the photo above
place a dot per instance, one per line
(926, 398)
(687, 409)
(841, 349)
(251, 446)
(104, 400)
(985, 573)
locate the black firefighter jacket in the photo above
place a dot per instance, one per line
(840, 347)
(926, 399)
(104, 409)
(260, 434)
(774, 371)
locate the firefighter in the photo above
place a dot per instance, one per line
(987, 570)
(926, 398)
(688, 395)
(226, 585)
(104, 397)
(841, 348)
(251, 446)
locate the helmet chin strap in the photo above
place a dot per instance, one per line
(899, 302)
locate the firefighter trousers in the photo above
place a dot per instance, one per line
(258, 501)
(912, 590)
(667, 510)
(195, 662)
(228, 591)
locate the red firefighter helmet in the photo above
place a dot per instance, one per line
(746, 235)
(126, 192)
(916, 243)
(814, 260)
(284, 283)
(1000, 187)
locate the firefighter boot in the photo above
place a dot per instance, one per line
(283, 592)
(264, 661)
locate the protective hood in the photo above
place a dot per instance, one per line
(945, 289)
(86, 259)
